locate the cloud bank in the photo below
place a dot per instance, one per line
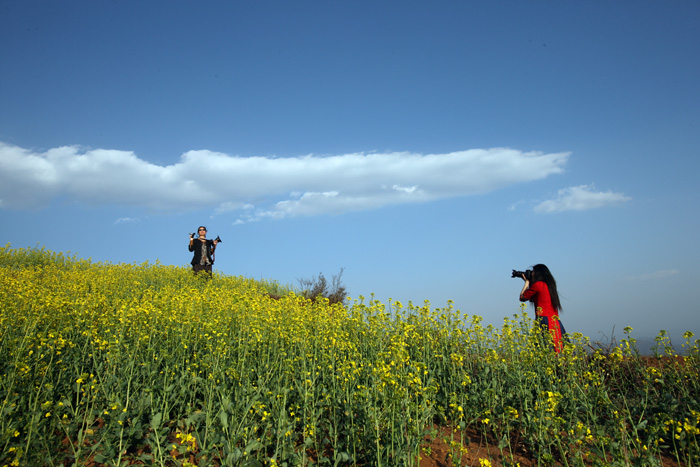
(263, 187)
(580, 198)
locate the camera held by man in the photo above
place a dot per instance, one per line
(217, 239)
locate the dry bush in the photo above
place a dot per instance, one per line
(318, 286)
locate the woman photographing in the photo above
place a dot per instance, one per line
(541, 289)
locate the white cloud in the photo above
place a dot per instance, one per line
(127, 220)
(515, 205)
(261, 187)
(580, 198)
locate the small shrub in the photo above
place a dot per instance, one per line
(275, 290)
(317, 287)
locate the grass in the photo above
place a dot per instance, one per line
(145, 364)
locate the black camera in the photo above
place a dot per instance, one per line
(218, 239)
(525, 274)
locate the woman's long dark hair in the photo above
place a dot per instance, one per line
(540, 272)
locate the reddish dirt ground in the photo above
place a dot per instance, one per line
(436, 453)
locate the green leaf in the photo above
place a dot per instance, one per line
(253, 446)
(156, 421)
(223, 416)
(100, 458)
(503, 442)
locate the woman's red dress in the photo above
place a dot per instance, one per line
(547, 315)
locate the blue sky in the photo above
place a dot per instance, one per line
(427, 148)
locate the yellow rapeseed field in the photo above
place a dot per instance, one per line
(145, 364)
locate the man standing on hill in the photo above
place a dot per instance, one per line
(203, 249)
